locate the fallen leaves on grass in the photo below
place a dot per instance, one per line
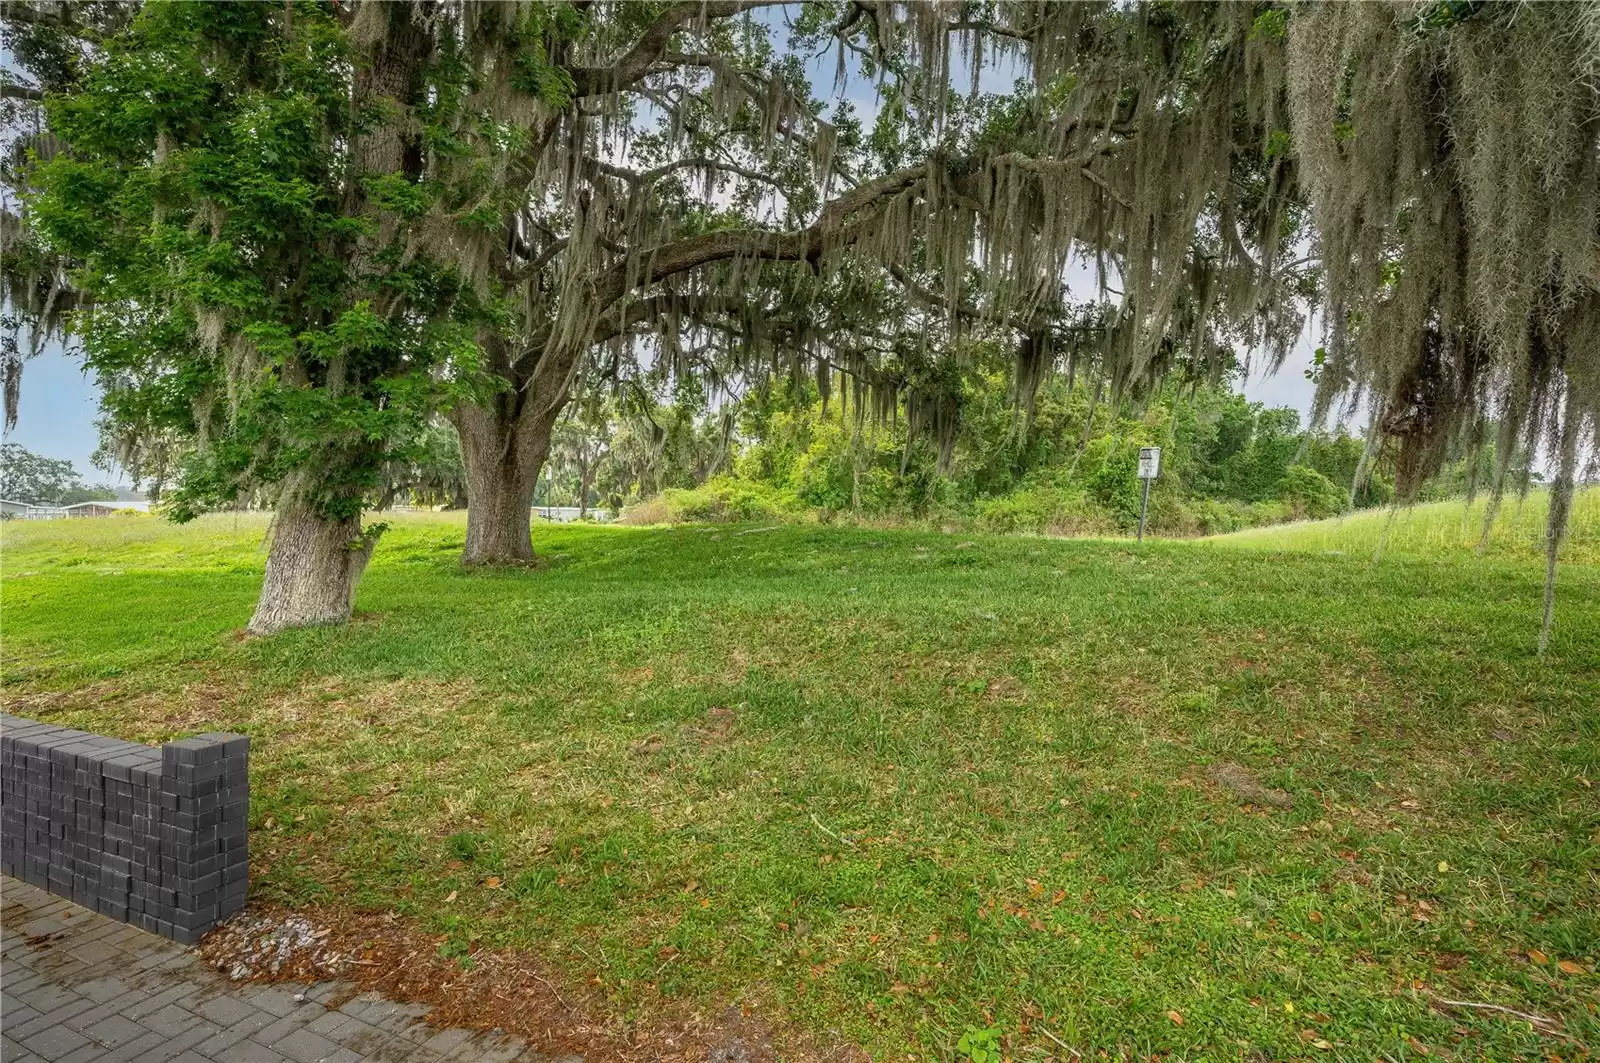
(504, 989)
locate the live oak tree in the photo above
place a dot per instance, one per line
(233, 183)
(1133, 139)
(49, 43)
(151, 450)
(425, 470)
(323, 223)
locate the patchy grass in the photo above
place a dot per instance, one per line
(886, 786)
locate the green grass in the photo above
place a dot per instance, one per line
(1441, 531)
(889, 785)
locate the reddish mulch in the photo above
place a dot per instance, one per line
(501, 989)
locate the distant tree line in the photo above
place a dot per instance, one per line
(40, 481)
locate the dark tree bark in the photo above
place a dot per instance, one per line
(585, 481)
(312, 569)
(504, 445)
(315, 560)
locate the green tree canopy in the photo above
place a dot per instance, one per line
(29, 477)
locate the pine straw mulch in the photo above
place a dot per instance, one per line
(502, 989)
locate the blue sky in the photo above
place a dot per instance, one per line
(57, 413)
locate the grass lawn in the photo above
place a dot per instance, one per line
(1442, 531)
(885, 786)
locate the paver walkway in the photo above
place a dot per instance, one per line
(76, 987)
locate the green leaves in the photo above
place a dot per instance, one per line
(395, 192)
(980, 1046)
(1270, 25)
(244, 254)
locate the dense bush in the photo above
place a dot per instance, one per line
(721, 500)
(1048, 511)
(1227, 464)
(1311, 495)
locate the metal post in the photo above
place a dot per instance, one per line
(1144, 505)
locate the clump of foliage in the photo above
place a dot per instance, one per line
(1069, 470)
(979, 1046)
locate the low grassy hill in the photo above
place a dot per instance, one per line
(1439, 531)
(1243, 798)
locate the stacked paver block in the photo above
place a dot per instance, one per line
(150, 836)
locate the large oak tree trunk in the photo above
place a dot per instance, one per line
(504, 446)
(312, 569)
(499, 507)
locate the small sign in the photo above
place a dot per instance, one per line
(1149, 463)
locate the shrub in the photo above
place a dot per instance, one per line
(1046, 510)
(1214, 516)
(1114, 483)
(1309, 494)
(722, 500)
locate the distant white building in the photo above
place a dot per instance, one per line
(13, 510)
(105, 508)
(568, 514)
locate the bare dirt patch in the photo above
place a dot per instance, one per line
(1248, 788)
(1006, 688)
(500, 989)
(718, 726)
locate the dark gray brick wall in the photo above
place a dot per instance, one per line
(150, 836)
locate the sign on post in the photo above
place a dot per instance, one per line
(1149, 469)
(1149, 462)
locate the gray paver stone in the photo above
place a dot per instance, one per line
(114, 1030)
(251, 1051)
(305, 1047)
(96, 992)
(54, 1042)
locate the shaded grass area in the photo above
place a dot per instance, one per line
(887, 785)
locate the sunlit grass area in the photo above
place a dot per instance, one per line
(885, 785)
(1441, 531)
